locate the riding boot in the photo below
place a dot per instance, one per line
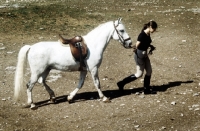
(147, 88)
(126, 80)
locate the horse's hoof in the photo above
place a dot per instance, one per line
(26, 106)
(106, 100)
(53, 100)
(70, 101)
(33, 107)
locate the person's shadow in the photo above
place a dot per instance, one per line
(112, 94)
(159, 88)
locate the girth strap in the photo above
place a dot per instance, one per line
(81, 59)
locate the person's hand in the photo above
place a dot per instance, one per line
(152, 49)
(134, 48)
(150, 52)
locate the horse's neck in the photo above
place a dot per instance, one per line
(100, 37)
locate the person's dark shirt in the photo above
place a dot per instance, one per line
(145, 41)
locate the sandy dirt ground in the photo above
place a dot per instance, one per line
(175, 63)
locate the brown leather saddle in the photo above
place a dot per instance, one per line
(78, 48)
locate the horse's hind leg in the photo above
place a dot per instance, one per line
(81, 82)
(48, 89)
(30, 86)
(96, 81)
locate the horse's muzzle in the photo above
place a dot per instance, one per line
(125, 44)
(130, 45)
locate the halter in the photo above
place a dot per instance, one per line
(120, 36)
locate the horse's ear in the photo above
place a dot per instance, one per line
(119, 20)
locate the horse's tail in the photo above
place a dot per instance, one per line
(19, 74)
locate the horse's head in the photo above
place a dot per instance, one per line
(121, 34)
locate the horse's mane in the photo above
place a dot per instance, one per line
(94, 31)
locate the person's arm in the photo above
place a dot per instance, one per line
(136, 46)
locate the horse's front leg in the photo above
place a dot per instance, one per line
(80, 84)
(42, 80)
(96, 81)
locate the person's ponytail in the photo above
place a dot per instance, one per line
(151, 23)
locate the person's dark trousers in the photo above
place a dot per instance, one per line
(125, 81)
(147, 87)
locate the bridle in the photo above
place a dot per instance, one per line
(120, 36)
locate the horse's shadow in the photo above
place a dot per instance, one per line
(112, 94)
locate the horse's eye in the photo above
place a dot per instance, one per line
(122, 31)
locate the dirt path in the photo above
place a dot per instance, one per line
(175, 65)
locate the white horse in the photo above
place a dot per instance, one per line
(44, 56)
